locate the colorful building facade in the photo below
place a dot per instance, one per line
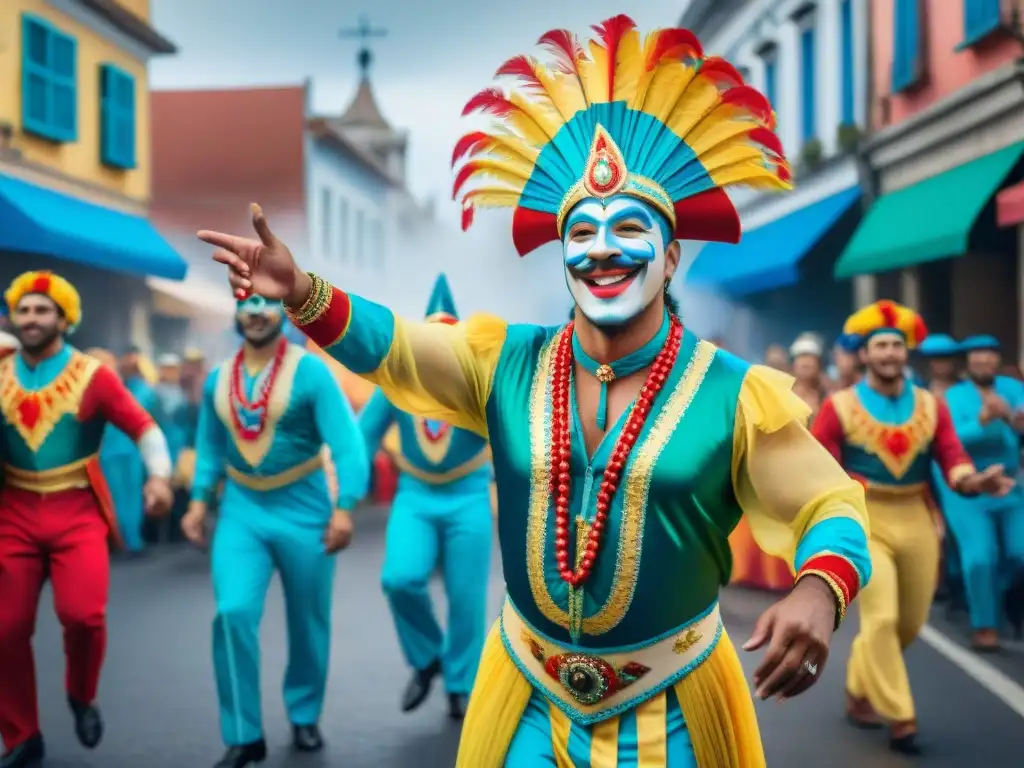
(942, 232)
(75, 170)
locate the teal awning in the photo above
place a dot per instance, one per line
(37, 220)
(926, 221)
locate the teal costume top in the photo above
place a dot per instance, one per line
(305, 411)
(723, 439)
(996, 442)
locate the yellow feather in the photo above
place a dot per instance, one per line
(508, 159)
(711, 133)
(503, 141)
(749, 174)
(493, 197)
(669, 84)
(693, 106)
(629, 66)
(544, 115)
(565, 92)
(725, 155)
(488, 168)
(524, 128)
(593, 71)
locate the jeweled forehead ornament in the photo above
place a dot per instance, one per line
(648, 116)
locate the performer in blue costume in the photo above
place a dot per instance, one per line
(121, 462)
(441, 510)
(988, 414)
(265, 418)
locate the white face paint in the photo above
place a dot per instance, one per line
(614, 258)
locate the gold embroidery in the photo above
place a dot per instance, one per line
(279, 480)
(897, 446)
(73, 475)
(442, 478)
(254, 451)
(637, 486)
(433, 451)
(686, 641)
(35, 414)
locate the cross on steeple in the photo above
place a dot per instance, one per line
(363, 32)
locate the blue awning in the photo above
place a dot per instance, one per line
(769, 256)
(36, 220)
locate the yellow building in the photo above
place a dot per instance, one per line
(75, 157)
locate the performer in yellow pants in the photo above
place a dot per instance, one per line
(886, 432)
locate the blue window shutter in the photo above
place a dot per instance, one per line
(771, 82)
(906, 44)
(980, 18)
(117, 110)
(849, 112)
(49, 81)
(64, 79)
(808, 49)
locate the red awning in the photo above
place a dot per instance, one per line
(1010, 206)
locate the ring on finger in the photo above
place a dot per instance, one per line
(810, 668)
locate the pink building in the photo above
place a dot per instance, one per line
(946, 114)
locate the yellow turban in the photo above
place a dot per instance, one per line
(887, 315)
(56, 288)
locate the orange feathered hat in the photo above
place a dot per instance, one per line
(886, 317)
(54, 287)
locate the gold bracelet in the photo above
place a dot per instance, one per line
(837, 590)
(316, 304)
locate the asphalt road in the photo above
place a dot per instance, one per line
(159, 702)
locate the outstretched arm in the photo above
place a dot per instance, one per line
(434, 370)
(211, 445)
(799, 502)
(339, 431)
(948, 451)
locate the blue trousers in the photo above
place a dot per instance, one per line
(990, 533)
(426, 525)
(126, 476)
(532, 745)
(258, 533)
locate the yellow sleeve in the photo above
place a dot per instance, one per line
(787, 483)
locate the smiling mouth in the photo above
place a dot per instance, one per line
(610, 283)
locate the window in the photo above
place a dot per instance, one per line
(360, 238)
(117, 117)
(980, 18)
(325, 223)
(808, 80)
(342, 228)
(49, 81)
(771, 78)
(906, 58)
(378, 245)
(846, 63)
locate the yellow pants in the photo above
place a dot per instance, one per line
(714, 698)
(895, 604)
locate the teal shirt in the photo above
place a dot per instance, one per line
(70, 439)
(996, 442)
(666, 550)
(433, 455)
(306, 411)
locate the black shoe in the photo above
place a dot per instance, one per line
(457, 703)
(905, 745)
(418, 689)
(88, 723)
(28, 754)
(307, 738)
(243, 755)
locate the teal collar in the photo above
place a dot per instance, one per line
(617, 369)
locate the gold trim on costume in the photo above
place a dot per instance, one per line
(637, 483)
(63, 478)
(61, 397)
(433, 451)
(442, 478)
(254, 451)
(278, 480)
(864, 431)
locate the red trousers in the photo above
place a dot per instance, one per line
(63, 537)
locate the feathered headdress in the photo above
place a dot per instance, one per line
(886, 316)
(654, 118)
(56, 288)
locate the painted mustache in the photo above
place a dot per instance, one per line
(587, 266)
(632, 253)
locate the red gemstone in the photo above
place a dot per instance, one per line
(897, 442)
(29, 411)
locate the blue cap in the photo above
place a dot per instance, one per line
(981, 342)
(850, 341)
(940, 345)
(441, 301)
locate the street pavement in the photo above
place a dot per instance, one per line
(159, 702)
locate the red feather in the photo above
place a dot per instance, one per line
(491, 101)
(768, 140)
(752, 100)
(521, 67)
(920, 330)
(889, 313)
(462, 177)
(674, 45)
(470, 143)
(611, 31)
(783, 172)
(564, 47)
(721, 72)
(467, 217)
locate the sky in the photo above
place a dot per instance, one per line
(434, 57)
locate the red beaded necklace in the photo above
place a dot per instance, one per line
(240, 400)
(561, 448)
